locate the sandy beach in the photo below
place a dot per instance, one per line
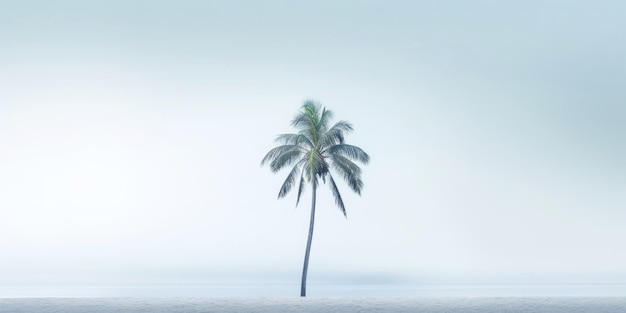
(299, 305)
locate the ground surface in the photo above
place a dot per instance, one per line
(299, 305)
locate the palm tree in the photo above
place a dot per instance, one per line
(313, 151)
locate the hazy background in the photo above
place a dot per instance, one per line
(131, 134)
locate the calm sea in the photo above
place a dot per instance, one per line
(203, 291)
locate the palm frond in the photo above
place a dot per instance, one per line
(276, 152)
(294, 139)
(335, 134)
(287, 139)
(301, 187)
(299, 120)
(349, 151)
(316, 163)
(307, 117)
(324, 120)
(290, 181)
(337, 195)
(314, 128)
(285, 158)
(344, 126)
(350, 172)
(315, 167)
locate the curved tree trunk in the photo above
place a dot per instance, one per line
(308, 244)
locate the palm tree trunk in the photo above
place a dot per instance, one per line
(308, 244)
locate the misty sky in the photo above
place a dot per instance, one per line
(131, 134)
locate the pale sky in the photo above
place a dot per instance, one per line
(131, 134)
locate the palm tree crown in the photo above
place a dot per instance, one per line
(314, 150)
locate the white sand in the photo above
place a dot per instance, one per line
(299, 305)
